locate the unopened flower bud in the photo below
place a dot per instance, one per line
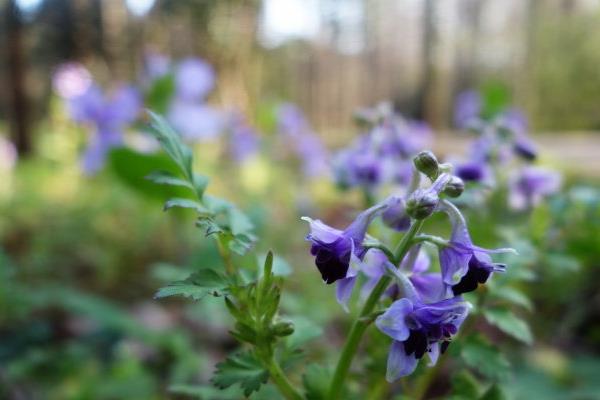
(427, 163)
(283, 328)
(525, 149)
(454, 187)
(395, 215)
(421, 203)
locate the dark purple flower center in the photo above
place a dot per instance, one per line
(416, 343)
(470, 172)
(332, 259)
(478, 273)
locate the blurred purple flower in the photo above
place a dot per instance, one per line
(464, 266)
(467, 109)
(338, 254)
(531, 185)
(196, 121)
(8, 154)
(194, 79)
(108, 115)
(307, 146)
(156, 66)
(243, 139)
(71, 80)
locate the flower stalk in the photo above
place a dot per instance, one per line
(361, 323)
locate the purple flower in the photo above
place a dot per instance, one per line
(531, 185)
(194, 79)
(156, 66)
(514, 120)
(71, 80)
(464, 266)
(291, 121)
(417, 329)
(196, 121)
(338, 254)
(307, 146)
(395, 215)
(472, 171)
(243, 140)
(108, 115)
(467, 109)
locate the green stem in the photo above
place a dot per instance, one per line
(361, 323)
(281, 381)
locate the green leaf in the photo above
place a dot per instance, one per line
(242, 368)
(464, 385)
(160, 93)
(484, 358)
(172, 144)
(316, 382)
(280, 266)
(495, 392)
(197, 285)
(512, 296)
(304, 331)
(209, 225)
(185, 203)
(167, 178)
(509, 323)
(200, 184)
(131, 167)
(239, 223)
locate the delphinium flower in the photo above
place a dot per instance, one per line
(108, 114)
(426, 309)
(188, 112)
(338, 253)
(303, 141)
(382, 155)
(530, 185)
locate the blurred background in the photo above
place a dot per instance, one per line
(82, 254)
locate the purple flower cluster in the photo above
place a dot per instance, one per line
(383, 154)
(502, 140)
(107, 114)
(189, 112)
(426, 309)
(303, 141)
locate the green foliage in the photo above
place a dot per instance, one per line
(197, 285)
(509, 323)
(485, 358)
(495, 392)
(316, 382)
(215, 216)
(242, 368)
(465, 386)
(160, 93)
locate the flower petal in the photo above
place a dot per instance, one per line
(399, 364)
(393, 321)
(344, 291)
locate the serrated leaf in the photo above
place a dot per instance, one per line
(209, 226)
(512, 296)
(316, 382)
(239, 223)
(495, 392)
(240, 244)
(242, 368)
(197, 285)
(509, 323)
(485, 358)
(216, 204)
(200, 184)
(172, 144)
(185, 203)
(167, 178)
